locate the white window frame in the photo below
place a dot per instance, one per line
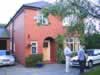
(34, 46)
(74, 40)
(65, 22)
(68, 19)
(39, 17)
(43, 19)
(10, 45)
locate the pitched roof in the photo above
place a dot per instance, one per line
(37, 5)
(4, 33)
(40, 4)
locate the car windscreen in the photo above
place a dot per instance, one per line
(4, 52)
(89, 53)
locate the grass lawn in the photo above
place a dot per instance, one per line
(94, 71)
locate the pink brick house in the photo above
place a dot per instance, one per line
(33, 33)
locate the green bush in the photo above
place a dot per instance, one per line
(74, 54)
(33, 59)
(60, 56)
(60, 48)
(93, 41)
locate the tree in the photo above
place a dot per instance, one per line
(70, 7)
(90, 26)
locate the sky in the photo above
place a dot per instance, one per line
(9, 7)
(97, 2)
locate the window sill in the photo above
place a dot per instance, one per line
(43, 24)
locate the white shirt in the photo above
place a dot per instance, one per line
(67, 51)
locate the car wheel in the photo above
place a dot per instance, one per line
(90, 64)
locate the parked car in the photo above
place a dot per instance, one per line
(6, 58)
(93, 57)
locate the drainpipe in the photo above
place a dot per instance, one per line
(12, 36)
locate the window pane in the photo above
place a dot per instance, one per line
(45, 44)
(34, 44)
(69, 40)
(33, 50)
(2, 52)
(41, 19)
(70, 20)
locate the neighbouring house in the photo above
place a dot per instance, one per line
(4, 38)
(34, 33)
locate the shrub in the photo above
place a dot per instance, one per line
(74, 54)
(33, 59)
(59, 51)
(93, 41)
(60, 56)
(39, 64)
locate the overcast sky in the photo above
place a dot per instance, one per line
(9, 7)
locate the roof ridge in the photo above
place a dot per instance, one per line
(36, 2)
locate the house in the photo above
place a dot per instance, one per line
(34, 33)
(4, 38)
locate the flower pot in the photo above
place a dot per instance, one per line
(40, 65)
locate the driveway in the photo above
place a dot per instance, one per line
(49, 69)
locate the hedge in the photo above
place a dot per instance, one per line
(93, 41)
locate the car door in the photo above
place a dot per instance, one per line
(96, 56)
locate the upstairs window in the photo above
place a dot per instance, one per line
(69, 20)
(41, 19)
(66, 21)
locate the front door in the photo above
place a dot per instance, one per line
(46, 50)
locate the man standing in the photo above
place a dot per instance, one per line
(67, 53)
(81, 58)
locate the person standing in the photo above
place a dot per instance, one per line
(67, 53)
(82, 59)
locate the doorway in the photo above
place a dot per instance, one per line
(46, 50)
(49, 50)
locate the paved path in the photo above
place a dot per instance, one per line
(50, 69)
